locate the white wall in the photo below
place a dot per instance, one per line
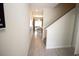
(59, 34)
(77, 32)
(14, 40)
(47, 15)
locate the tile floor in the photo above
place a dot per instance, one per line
(37, 48)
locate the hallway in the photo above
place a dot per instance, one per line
(37, 48)
(36, 44)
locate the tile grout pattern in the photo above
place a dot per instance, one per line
(37, 48)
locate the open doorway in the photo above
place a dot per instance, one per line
(38, 23)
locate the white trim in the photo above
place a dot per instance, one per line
(64, 46)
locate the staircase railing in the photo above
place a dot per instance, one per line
(61, 10)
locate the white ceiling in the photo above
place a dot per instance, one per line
(43, 5)
(37, 8)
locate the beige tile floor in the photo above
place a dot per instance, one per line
(37, 48)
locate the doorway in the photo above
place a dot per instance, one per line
(38, 23)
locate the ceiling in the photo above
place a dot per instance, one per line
(43, 5)
(37, 8)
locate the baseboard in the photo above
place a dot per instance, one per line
(64, 46)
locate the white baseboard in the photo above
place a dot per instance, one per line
(64, 46)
